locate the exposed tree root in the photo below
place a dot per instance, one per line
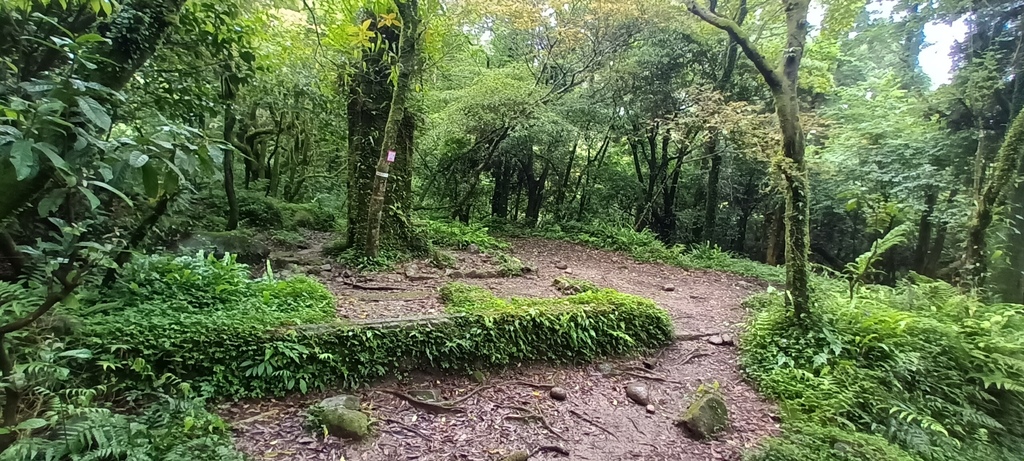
(528, 415)
(651, 377)
(360, 286)
(592, 423)
(430, 407)
(406, 428)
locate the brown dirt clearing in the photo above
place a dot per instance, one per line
(595, 422)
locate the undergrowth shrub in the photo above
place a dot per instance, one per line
(274, 338)
(810, 442)
(175, 315)
(259, 212)
(454, 234)
(936, 372)
(169, 430)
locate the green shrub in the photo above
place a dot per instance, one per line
(173, 315)
(313, 216)
(259, 212)
(453, 234)
(818, 443)
(170, 430)
(244, 349)
(931, 370)
(287, 238)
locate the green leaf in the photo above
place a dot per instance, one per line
(90, 38)
(137, 159)
(51, 153)
(94, 201)
(77, 353)
(94, 112)
(151, 180)
(22, 158)
(171, 181)
(51, 202)
(29, 424)
(113, 190)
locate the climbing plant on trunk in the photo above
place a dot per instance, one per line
(782, 81)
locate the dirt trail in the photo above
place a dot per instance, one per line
(596, 422)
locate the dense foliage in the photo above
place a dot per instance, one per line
(935, 372)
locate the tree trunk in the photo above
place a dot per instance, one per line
(229, 168)
(924, 230)
(378, 123)
(502, 170)
(783, 84)
(975, 257)
(711, 194)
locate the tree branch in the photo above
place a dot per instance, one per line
(740, 36)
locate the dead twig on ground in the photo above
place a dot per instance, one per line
(549, 448)
(470, 394)
(360, 286)
(592, 423)
(528, 415)
(696, 336)
(536, 385)
(635, 426)
(406, 428)
(651, 377)
(691, 355)
(430, 407)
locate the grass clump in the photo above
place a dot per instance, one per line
(453, 234)
(935, 372)
(645, 246)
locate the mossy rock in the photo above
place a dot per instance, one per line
(346, 401)
(345, 423)
(706, 417)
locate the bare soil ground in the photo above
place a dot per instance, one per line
(595, 422)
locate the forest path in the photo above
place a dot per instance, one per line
(596, 422)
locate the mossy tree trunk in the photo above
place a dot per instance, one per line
(378, 122)
(997, 180)
(782, 81)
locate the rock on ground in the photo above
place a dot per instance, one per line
(706, 417)
(341, 417)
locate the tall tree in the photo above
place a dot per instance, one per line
(782, 81)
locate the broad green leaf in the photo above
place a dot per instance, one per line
(137, 159)
(171, 182)
(51, 202)
(94, 201)
(51, 153)
(22, 158)
(113, 190)
(29, 424)
(90, 38)
(94, 112)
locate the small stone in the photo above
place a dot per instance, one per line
(728, 340)
(310, 270)
(669, 287)
(325, 268)
(716, 340)
(472, 248)
(346, 274)
(517, 456)
(307, 440)
(346, 401)
(568, 271)
(606, 368)
(650, 364)
(429, 395)
(638, 393)
(561, 266)
(456, 274)
(651, 409)
(706, 417)
(557, 393)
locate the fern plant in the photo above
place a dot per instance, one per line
(858, 271)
